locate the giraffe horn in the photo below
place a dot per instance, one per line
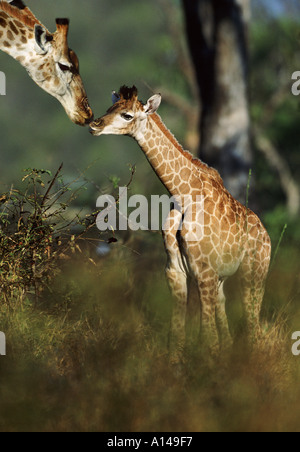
(128, 93)
(62, 26)
(18, 3)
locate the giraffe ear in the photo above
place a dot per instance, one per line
(152, 104)
(42, 40)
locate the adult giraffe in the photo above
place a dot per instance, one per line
(230, 238)
(46, 57)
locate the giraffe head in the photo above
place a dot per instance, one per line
(56, 70)
(46, 56)
(128, 116)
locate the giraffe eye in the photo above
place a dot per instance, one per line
(63, 67)
(127, 116)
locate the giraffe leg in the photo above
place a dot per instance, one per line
(208, 289)
(221, 318)
(253, 274)
(253, 289)
(177, 279)
(193, 313)
(251, 309)
(207, 281)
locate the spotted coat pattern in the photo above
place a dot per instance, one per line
(46, 57)
(233, 240)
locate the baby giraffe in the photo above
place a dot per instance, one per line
(209, 236)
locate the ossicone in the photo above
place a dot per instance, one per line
(62, 26)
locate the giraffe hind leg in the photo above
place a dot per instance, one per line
(253, 273)
(253, 290)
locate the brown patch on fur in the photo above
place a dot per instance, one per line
(198, 163)
(13, 28)
(74, 59)
(25, 16)
(10, 35)
(131, 94)
(3, 22)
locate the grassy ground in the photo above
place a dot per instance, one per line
(87, 339)
(91, 356)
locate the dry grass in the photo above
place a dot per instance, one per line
(89, 353)
(90, 358)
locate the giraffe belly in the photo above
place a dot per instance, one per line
(229, 258)
(226, 270)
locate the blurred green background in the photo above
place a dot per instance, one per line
(89, 352)
(131, 43)
(117, 43)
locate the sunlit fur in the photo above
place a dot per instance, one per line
(233, 242)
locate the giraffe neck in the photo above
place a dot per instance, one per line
(17, 34)
(175, 167)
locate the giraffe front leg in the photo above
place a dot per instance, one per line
(177, 279)
(208, 289)
(222, 320)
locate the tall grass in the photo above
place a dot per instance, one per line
(88, 350)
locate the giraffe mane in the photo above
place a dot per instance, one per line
(20, 12)
(195, 161)
(126, 94)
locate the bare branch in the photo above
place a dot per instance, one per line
(288, 183)
(176, 33)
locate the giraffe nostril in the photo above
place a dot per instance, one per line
(97, 123)
(96, 126)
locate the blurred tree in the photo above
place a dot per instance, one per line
(275, 111)
(217, 38)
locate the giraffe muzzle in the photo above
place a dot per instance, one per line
(96, 127)
(89, 115)
(84, 119)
